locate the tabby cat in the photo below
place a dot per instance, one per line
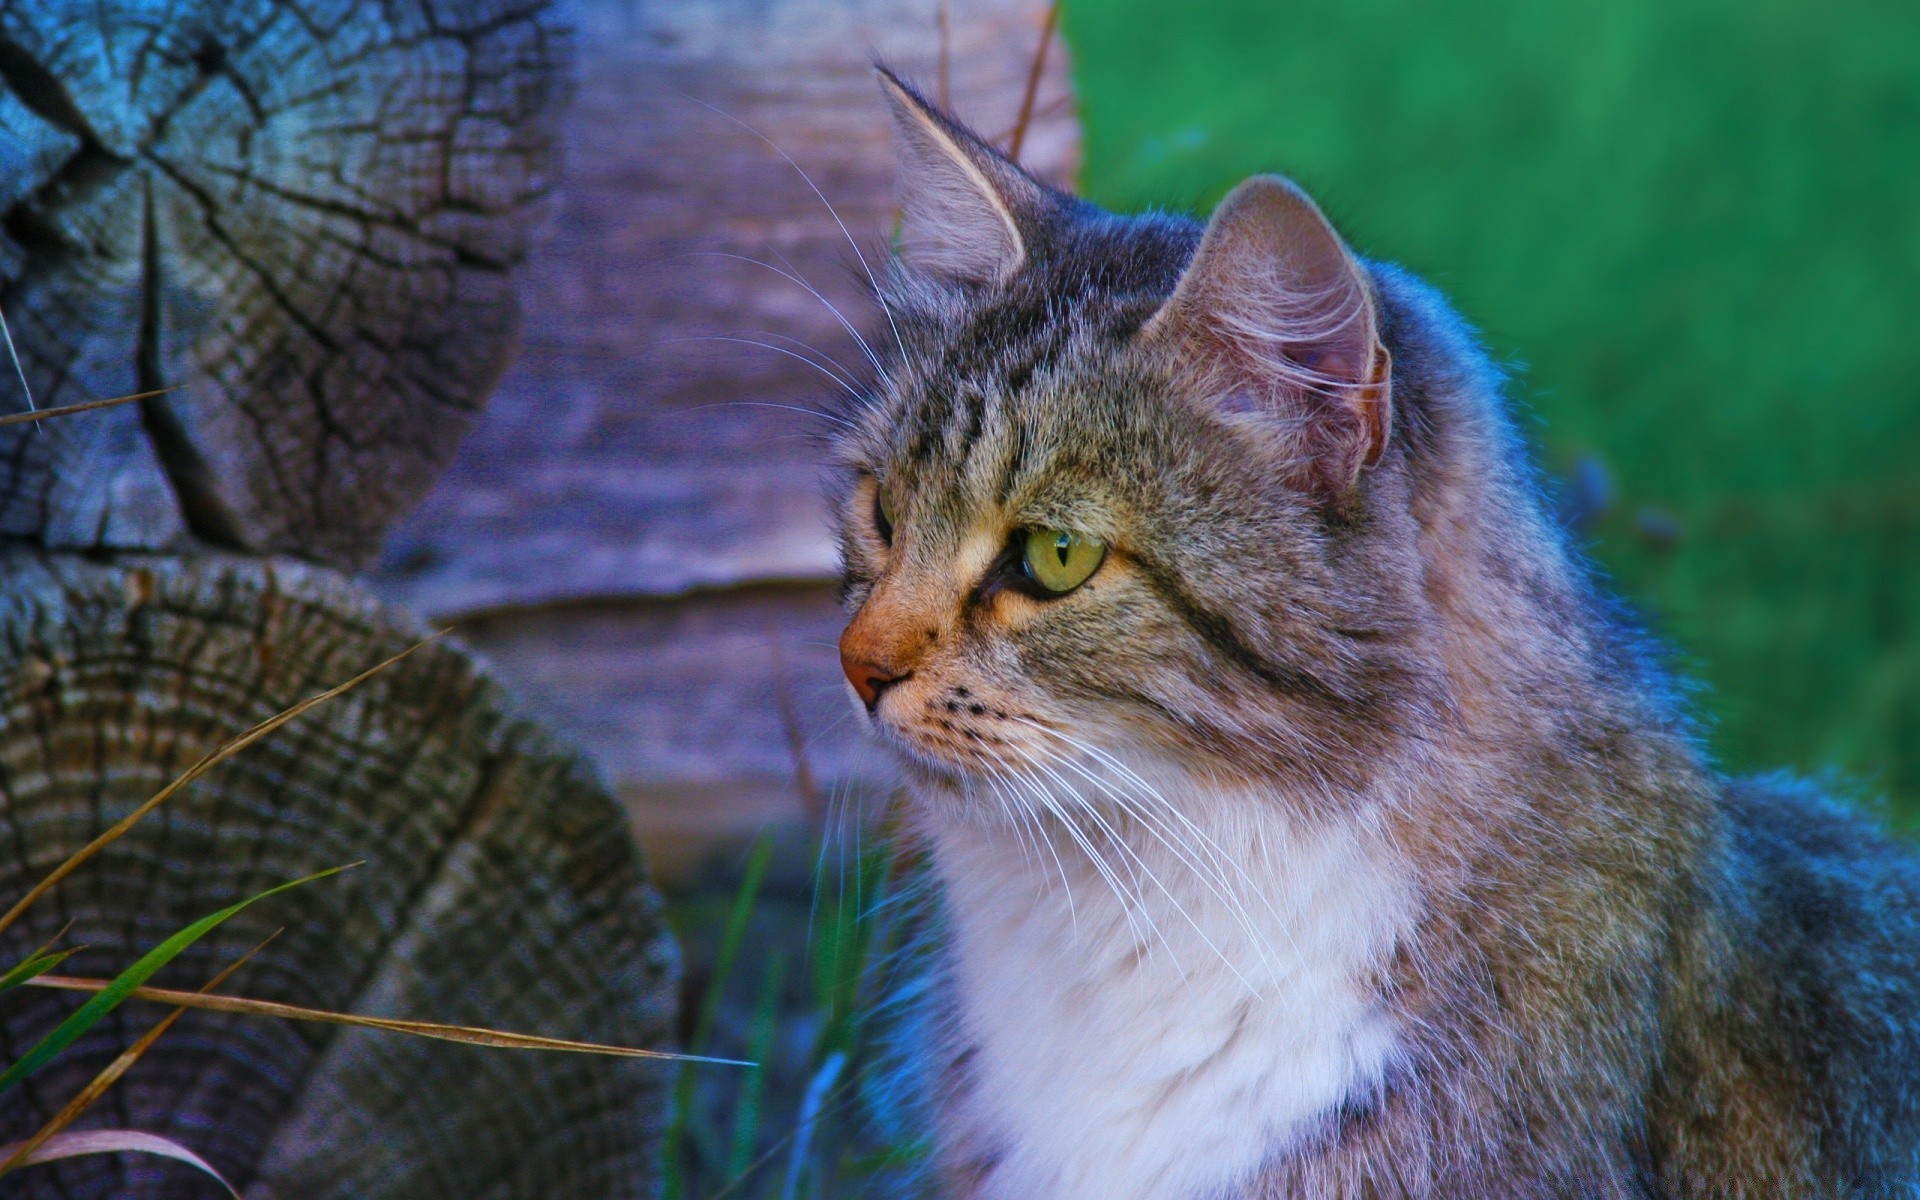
(1302, 820)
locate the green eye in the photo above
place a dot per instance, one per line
(883, 516)
(1060, 561)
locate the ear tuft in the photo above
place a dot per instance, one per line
(963, 205)
(1277, 318)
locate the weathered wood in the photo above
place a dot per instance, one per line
(500, 887)
(713, 715)
(622, 454)
(304, 215)
(633, 529)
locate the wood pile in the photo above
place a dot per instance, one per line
(296, 227)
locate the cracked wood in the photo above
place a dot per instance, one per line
(308, 216)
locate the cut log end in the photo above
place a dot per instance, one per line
(500, 888)
(308, 224)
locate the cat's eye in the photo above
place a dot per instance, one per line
(1060, 561)
(882, 515)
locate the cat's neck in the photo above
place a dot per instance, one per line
(1154, 1007)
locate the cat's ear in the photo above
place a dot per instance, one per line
(963, 205)
(1277, 317)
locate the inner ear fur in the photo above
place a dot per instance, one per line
(1277, 319)
(964, 206)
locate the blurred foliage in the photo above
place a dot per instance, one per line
(1695, 224)
(814, 1118)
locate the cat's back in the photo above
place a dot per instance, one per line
(1793, 1060)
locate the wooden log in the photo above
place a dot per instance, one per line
(303, 217)
(500, 888)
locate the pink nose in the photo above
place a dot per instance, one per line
(868, 680)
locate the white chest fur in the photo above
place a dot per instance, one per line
(1162, 1047)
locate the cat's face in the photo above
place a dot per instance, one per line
(1083, 519)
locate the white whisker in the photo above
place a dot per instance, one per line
(1200, 930)
(1131, 903)
(1040, 835)
(1209, 875)
(873, 281)
(1127, 774)
(844, 385)
(795, 277)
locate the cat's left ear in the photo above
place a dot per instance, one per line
(964, 207)
(1277, 318)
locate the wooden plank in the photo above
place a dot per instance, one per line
(623, 455)
(712, 715)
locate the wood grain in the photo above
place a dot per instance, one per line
(633, 530)
(713, 715)
(306, 214)
(623, 455)
(500, 887)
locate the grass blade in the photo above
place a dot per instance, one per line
(42, 414)
(468, 1035)
(121, 986)
(758, 859)
(6, 335)
(746, 1117)
(114, 1141)
(810, 1105)
(207, 762)
(39, 964)
(115, 1069)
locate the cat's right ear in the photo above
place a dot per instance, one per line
(1278, 319)
(963, 204)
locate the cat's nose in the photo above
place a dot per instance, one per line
(868, 680)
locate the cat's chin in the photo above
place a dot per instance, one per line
(950, 792)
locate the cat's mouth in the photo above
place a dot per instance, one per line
(954, 729)
(974, 745)
(959, 745)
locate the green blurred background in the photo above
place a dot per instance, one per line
(1693, 231)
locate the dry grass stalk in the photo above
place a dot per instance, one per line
(41, 414)
(1034, 71)
(111, 1074)
(207, 762)
(465, 1034)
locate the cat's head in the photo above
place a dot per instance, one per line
(1128, 487)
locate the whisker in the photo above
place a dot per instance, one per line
(844, 385)
(795, 277)
(1133, 911)
(1209, 876)
(1040, 836)
(846, 373)
(1217, 853)
(872, 281)
(1129, 775)
(1120, 843)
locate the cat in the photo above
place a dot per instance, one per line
(1301, 818)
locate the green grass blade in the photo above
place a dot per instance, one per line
(38, 964)
(766, 1019)
(104, 1002)
(758, 859)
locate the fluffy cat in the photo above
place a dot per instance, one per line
(1301, 820)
